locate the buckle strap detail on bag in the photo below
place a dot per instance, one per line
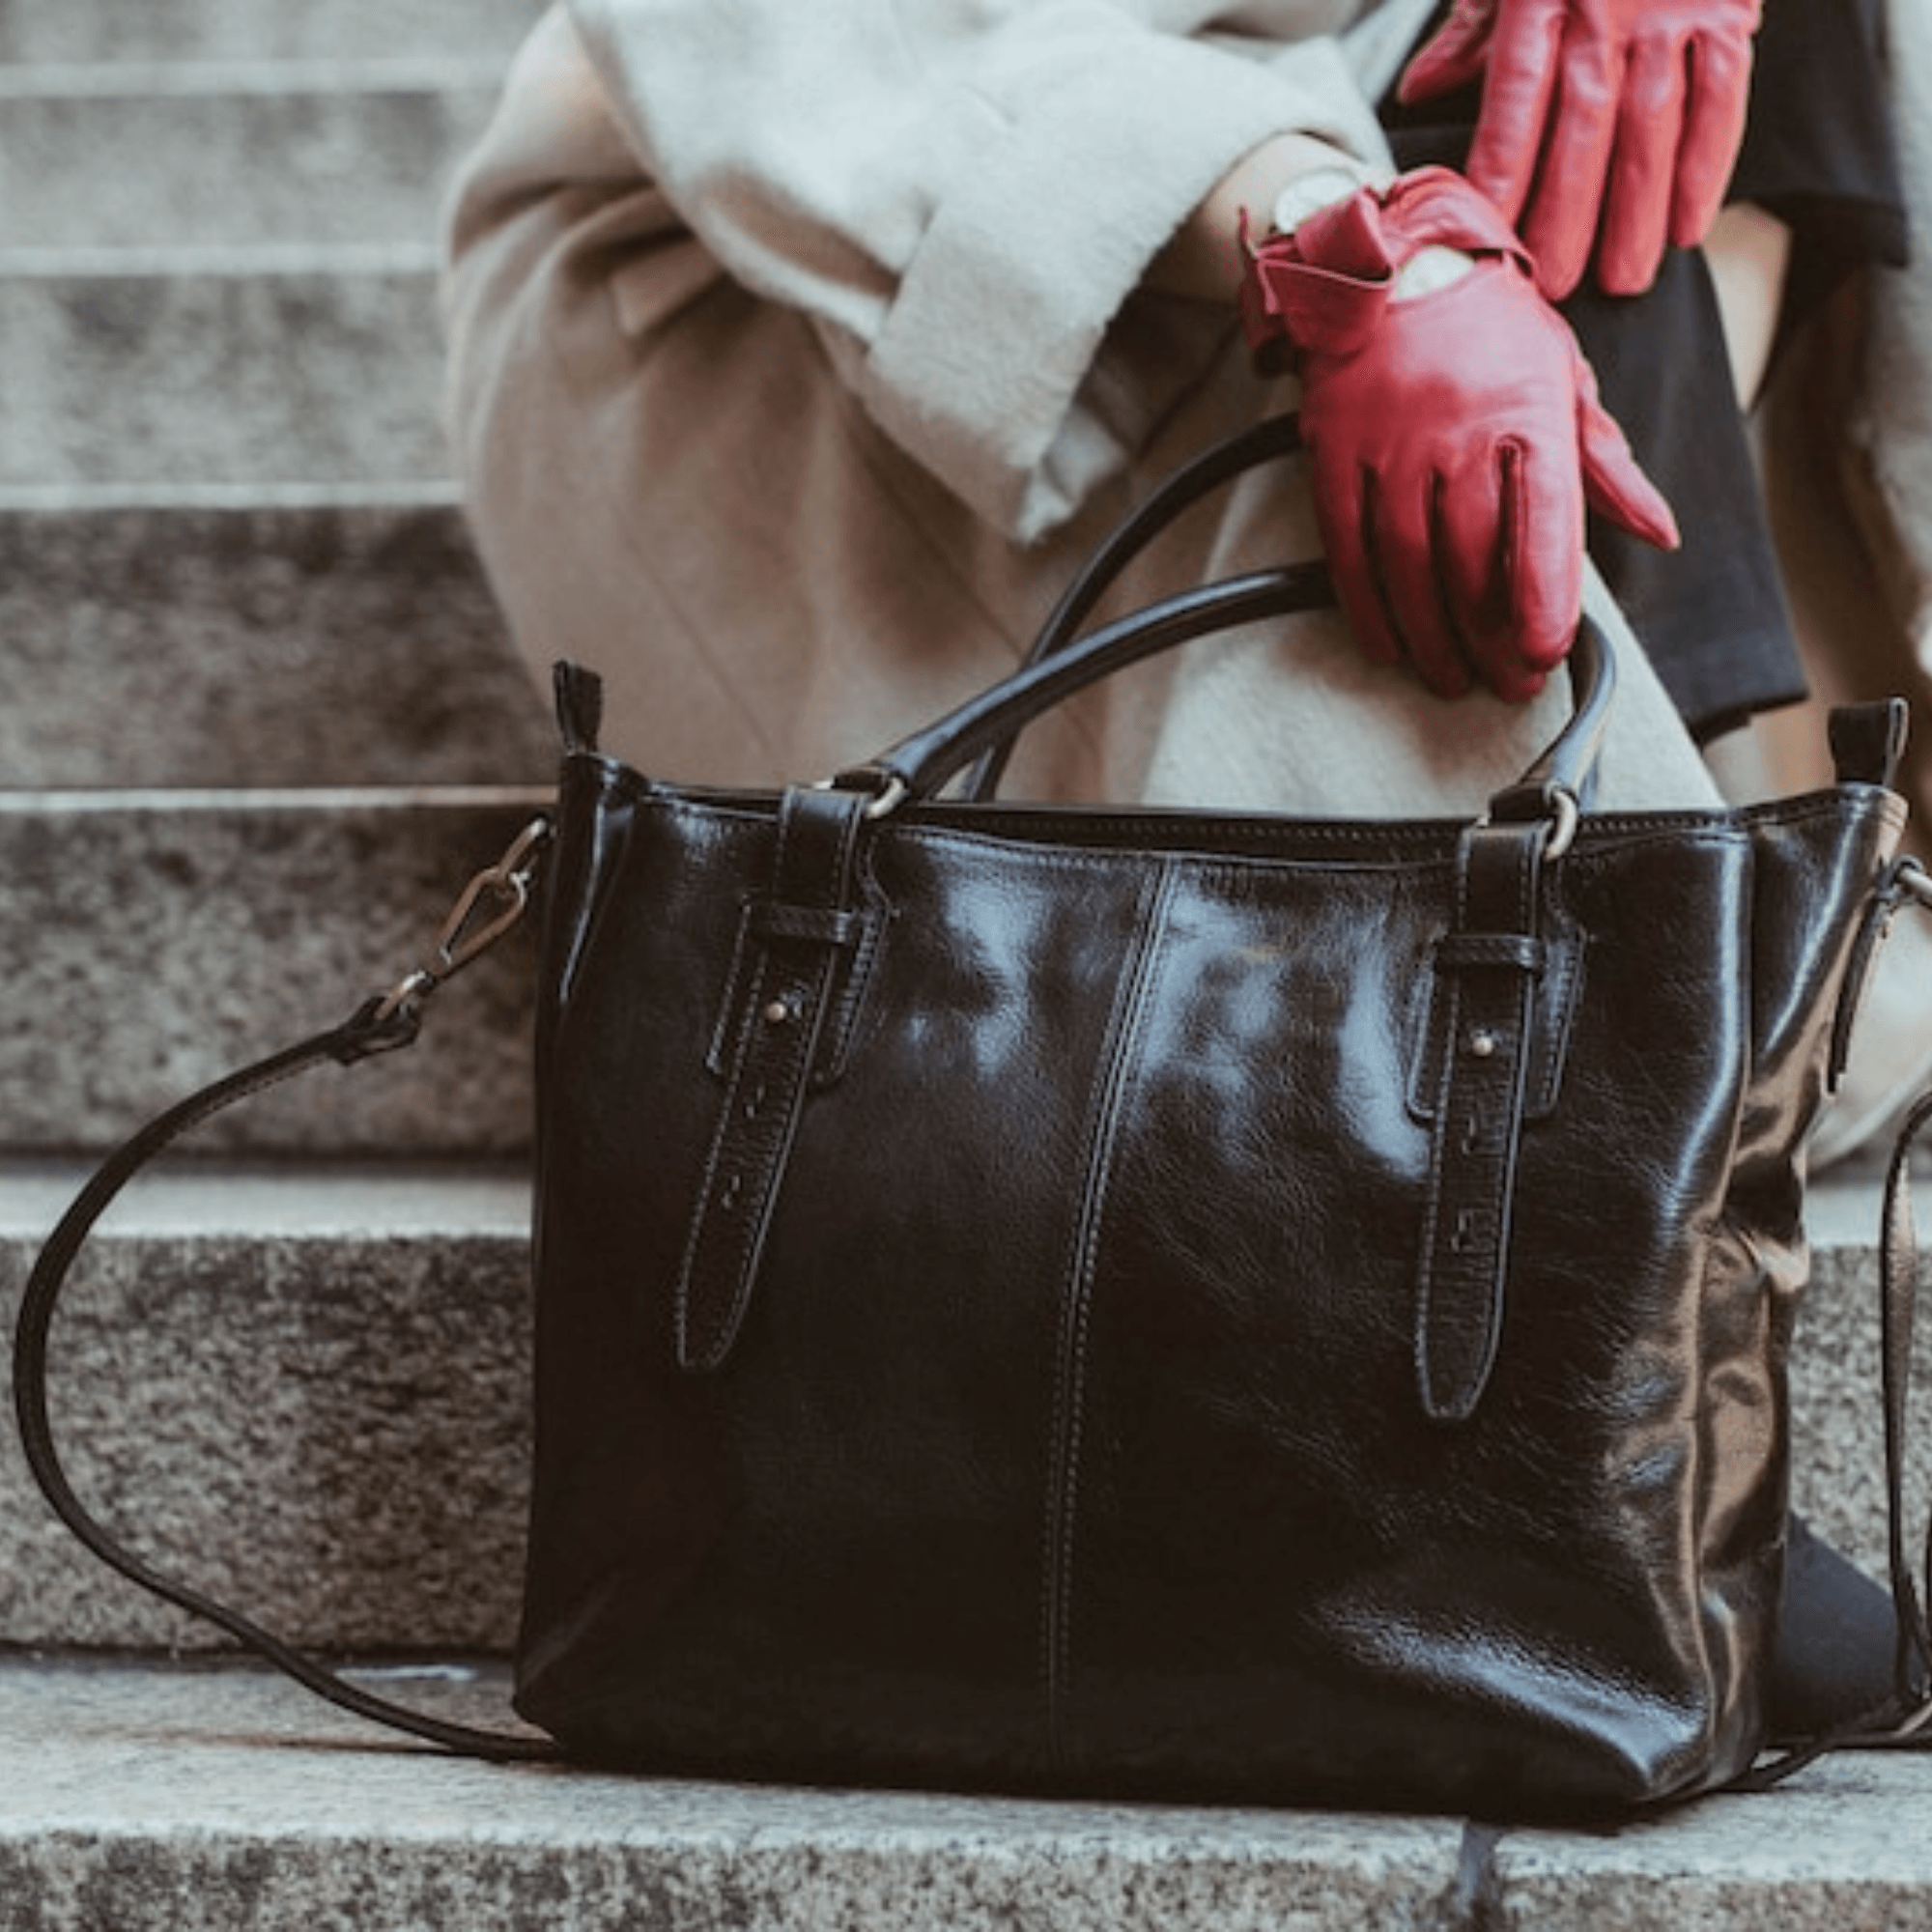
(1487, 974)
(794, 949)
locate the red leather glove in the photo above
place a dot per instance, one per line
(1455, 437)
(1609, 126)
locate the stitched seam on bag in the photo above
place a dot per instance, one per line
(1126, 1026)
(1432, 1201)
(848, 1009)
(1599, 831)
(598, 837)
(1212, 851)
(702, 1333)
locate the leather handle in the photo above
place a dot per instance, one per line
(920, 764)
(925, 761)
(1269, 440)
(1062, 663)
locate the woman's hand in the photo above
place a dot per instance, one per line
(1456, 435)
(1607, 127)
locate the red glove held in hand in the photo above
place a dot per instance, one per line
(1455, 437)
(1613, 123)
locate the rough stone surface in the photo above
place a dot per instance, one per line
(216, 1799)
(306, 1395)
(226, 30)
(1837, 1438)
(150, 158)
(251, 365)
(320, 644)
(1845, 1848)
(158, 941)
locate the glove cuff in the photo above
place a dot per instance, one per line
(1324, 288)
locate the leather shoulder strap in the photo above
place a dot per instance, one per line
(380, 1025)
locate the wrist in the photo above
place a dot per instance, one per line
(1324, 187)
(1435, 268)
(1307, 195)
(1327, 285)
(1197, 262)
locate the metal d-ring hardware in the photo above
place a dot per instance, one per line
(1563, 833)
(1566, 816)
(892, 794)
(888, 791)
(488, 908)
(1916, 880)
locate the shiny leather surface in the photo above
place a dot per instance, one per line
(1449, 487)
(1069, 1423)
(1609, 127)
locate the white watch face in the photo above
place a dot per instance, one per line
(1309, 195)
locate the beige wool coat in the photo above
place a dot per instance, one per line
(798, 353)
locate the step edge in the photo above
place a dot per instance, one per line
(348, 77)
(123, 499)
(223, 261)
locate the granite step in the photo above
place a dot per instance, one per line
(79, 32)
(247, 365)
(156, 940)
(305, 1387)
(145, 155)
(233, 638)
(222, 1800)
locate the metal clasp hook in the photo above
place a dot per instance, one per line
(488, 908)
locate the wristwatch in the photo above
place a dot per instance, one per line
(1429, 269)
(1310, 193)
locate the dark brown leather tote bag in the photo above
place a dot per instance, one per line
(1170, 1303)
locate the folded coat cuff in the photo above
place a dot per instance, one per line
(993, 366)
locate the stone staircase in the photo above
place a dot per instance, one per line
(261, 723)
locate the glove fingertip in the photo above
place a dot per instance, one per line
(1451, 58)
(1362, 609)
(1622, 271)
(1542, 654)
(1559, 248)
(1693, 215)
(1633, 503)
(1620, 492)
(1555, 280)
(1630, 250)
(1440, 68)
(1495, 173)
(1519, 684)
(1655, 521)
(1613, 483)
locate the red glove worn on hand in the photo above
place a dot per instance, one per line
(1613, 123)
(1455, 437)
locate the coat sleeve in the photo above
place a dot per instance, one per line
(965, 199)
